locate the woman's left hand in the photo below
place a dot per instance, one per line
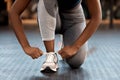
(68, 51)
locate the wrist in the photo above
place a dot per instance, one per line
(77, 47)
(25, 47)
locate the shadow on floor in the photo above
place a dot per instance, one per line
(63, 73)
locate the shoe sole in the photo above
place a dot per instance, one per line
(49, 69)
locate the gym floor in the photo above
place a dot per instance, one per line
(102, 63)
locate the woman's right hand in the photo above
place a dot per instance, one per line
(33, 52)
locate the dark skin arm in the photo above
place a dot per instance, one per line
(96, 17)
(14, 16)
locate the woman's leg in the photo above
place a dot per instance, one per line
(47, 10)
(73, 23)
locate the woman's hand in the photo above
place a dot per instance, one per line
(68, 51)
(33, 52)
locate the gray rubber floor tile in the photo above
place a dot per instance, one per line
(102, 62)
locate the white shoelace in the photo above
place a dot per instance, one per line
(50, 57)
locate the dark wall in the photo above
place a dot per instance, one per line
(105, 9)
(3, 13)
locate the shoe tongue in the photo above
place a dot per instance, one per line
(50, 57)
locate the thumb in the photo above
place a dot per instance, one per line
(60, 51)
(40, 52)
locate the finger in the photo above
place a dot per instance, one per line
(40, 53)
(33, 56)
(60, 52)
(62, 55)
(37, 55)
(65, 55)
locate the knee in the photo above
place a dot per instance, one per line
(75, 63)
(77, 60)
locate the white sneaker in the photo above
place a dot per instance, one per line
(51, 62)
